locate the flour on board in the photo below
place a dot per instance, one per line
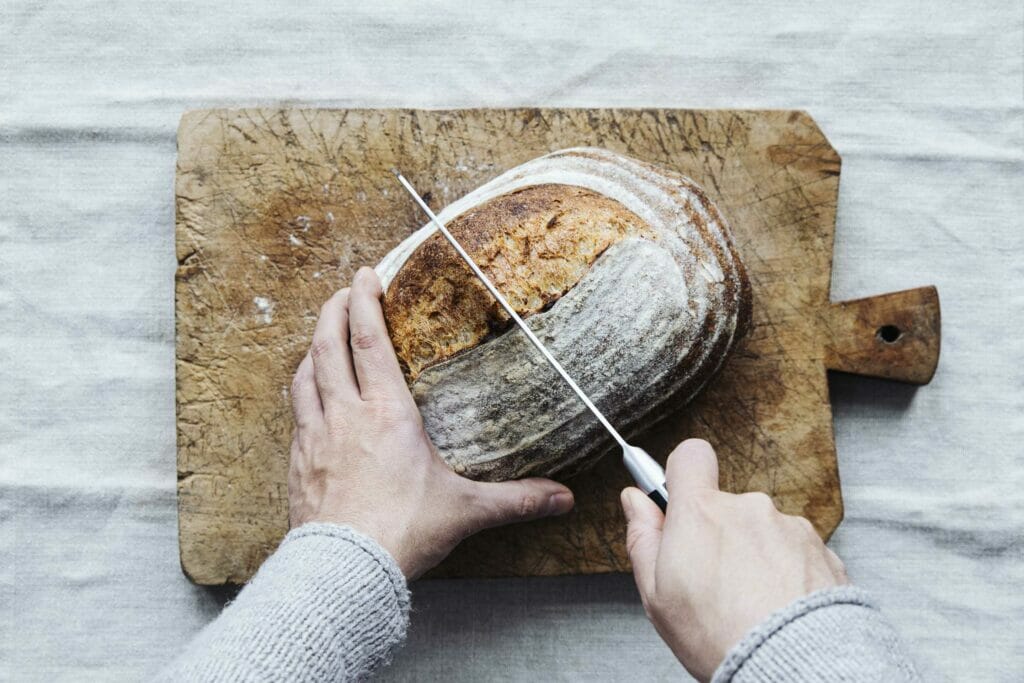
(266, 309)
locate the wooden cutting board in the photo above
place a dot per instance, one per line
(277, 208)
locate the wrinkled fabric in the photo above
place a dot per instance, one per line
(922, 100)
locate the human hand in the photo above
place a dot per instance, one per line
(718, 564)
(360, 456)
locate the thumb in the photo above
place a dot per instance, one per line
(643, 537)
(519, 501)
(692, 465)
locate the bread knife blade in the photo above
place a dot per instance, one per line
(645, 470)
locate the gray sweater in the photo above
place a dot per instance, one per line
(331, 605)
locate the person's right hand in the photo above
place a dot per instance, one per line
(717, 564)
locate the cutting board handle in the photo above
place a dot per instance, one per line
(893, 336)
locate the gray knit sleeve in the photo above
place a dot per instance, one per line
(329, 605)
(835, 634)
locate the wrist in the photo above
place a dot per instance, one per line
(346, 531)
(365, 526)
(807, 628)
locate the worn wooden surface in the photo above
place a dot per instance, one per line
(277, 208)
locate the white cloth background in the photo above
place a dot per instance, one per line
(923, 100)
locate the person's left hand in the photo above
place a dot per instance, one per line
(360, 456)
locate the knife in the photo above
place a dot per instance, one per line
(645, 470)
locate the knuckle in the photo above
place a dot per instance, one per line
(364, 340)
(759, 501)
(528, 505)
(516, 504)
(320, 347)
(337, 300)
(841, 571)
(298, 385)
(805, 525)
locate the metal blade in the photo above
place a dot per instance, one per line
(512, 314)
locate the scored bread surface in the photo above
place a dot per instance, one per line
(625, 270)
(534, 244)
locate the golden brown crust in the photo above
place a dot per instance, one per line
(535, 244)
(633, 252)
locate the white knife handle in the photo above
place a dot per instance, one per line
(647, 473)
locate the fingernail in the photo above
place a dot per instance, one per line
(560, 503)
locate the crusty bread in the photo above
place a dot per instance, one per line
(534, 244)
(625, 270)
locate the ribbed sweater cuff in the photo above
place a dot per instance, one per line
(361, 606)
(835, 634)
(330, 604)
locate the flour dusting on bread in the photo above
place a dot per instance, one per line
(626, 268)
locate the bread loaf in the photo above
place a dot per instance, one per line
(625, 270)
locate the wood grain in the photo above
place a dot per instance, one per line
(277, 208)
(895, 336)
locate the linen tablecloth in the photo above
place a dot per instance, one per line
(923, 100)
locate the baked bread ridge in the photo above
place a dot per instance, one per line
(534, 243)
(528, 418)
(481, 404)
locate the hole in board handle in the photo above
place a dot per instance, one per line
(889, 334)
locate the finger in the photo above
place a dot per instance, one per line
(692, 465)
(643, 537)
(376, 366)
(836, 565)
(306, 405)
(517, 501)
(332, 361)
